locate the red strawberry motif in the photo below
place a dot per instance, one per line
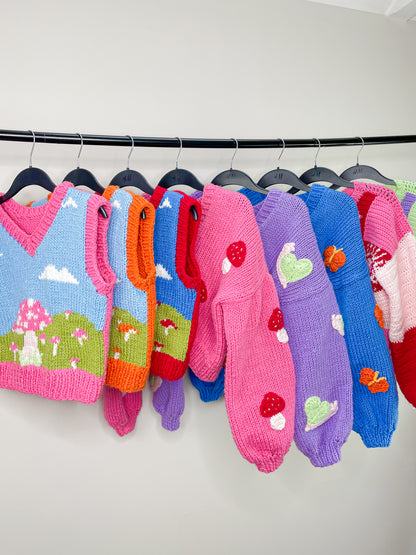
(272, 404)
(276, 320)
(236, 254)
(203, 292)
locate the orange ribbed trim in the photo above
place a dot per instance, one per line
(125, 376)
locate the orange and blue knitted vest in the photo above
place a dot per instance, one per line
(130, 252)
(56, 289)
(178, 282)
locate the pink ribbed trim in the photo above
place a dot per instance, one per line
(96, 254)
(64, 384)
(12, 212)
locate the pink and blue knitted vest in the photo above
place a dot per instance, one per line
(56, 290)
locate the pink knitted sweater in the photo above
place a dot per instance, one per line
(240, 319)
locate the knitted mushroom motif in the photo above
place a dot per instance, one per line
(127, 329)
(158, 346)
(55, 340)
(272, 407)
(31, 318)
(14, 349)
(42, 338)
(236, 254)
(116, 352)
(68, 313)
(276, 324)
(74, 362)
(168, 324)
(81, 335)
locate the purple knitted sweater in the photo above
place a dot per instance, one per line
(314, 327)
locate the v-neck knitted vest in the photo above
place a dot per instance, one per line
(313, 323)
(56, 289)
(178, 282)
(336, 225)
(239, 318)
(391, 256)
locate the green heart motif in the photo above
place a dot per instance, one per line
(294, 269)
(318, 412)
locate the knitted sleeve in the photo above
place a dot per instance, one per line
(391, 254)
(259, 378)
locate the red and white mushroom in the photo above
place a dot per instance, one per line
(272, 407)
(236, 254)
(81, 335)
(74, 362)
(116, 352)
(31, 318)
(158, 346)
(55, 340)
(276, 324)
(42, 338)
(68, 313)
(14, 349)
(168, 324)
(127, 329)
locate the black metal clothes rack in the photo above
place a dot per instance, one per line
(174, 142)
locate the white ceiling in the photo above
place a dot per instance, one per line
(402, 9)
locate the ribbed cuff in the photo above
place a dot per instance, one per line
(376, 437)
(270, 465)
(327, 455)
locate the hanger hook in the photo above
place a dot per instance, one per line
(131, 151)
(80, 149)
(319, 148)
(180, 151)
(32, 149)
(359, 152)
(235, 152)
(281, 152)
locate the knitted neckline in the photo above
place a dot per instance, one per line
(361, 187)
(11, 213)
(264, 208)
(314, 197)
(405, 186)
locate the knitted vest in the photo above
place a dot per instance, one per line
(178, 282)
(56, 291)
(130, 253)
(391, 256)
(239, 317)
(313, 323)
(337, 228)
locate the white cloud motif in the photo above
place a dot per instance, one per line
(116, 204)
(69, 202)
(162, 272)
(51, 273)
(166, 204)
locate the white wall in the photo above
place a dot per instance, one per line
(270, 68)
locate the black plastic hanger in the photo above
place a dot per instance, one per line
(179, 176)
(365, 172)
(283, 177)
(29, 176)
(318, 173)
(237, 177)
(81, 176)
(132, 178)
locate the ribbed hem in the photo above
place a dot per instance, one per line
(167, 367)
(376, 437)
(271, 464)
(328, 454)
(65, 384)
(208, 391)
(125, 376)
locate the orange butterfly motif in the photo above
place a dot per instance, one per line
(375, 384)
(334, 258)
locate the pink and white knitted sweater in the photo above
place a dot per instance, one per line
(391, 256)
(240, 319)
